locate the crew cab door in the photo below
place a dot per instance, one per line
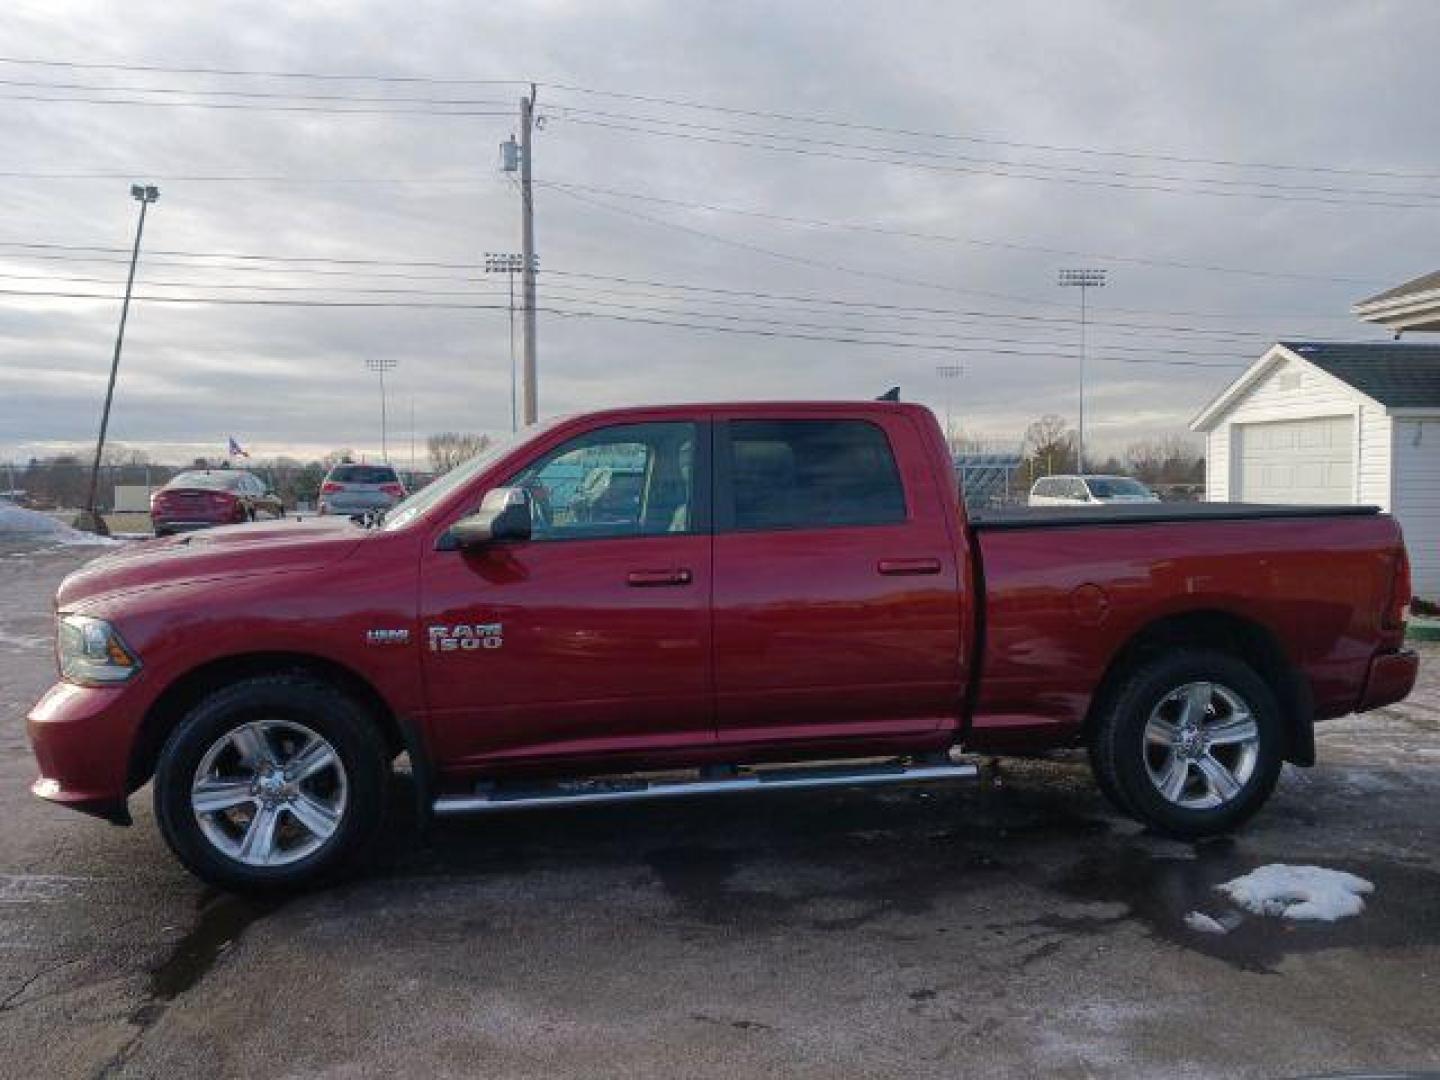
(837, 610)
(593, 636)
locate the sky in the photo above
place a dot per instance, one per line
(733, 201)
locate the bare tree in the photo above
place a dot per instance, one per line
(1050, 446)
(120, 454)
(449, 448)
(1173, 459)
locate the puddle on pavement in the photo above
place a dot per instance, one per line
(223, 918)
(1161, 889)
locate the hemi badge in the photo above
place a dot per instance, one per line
(387, 637)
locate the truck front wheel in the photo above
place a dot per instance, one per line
(272, 783)
(1192, 743)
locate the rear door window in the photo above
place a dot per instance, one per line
(805, 474)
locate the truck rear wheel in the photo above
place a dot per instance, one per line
(274, 783)
(1191, 745)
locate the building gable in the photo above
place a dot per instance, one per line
(1282, 382)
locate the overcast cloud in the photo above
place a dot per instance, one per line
(1346, 86)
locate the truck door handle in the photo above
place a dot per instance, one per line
(908, 566)
(643, 579)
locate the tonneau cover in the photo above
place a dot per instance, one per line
(1045, 517)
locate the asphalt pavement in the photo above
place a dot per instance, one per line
(1013, 927)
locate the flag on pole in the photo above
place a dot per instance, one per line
(236, 450)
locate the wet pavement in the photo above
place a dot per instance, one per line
(1013, 927)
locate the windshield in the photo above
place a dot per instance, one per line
(1114, 487)
(419, 504)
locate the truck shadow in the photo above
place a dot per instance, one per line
(840, 860)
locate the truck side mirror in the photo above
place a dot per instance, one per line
(504, 516)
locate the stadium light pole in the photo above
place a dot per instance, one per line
(90, 518)
(380, 365)
(510, 265)
(949, 372)
(1083, 280)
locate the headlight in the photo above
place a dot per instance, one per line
(92, 653)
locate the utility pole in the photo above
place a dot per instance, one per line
(527, 248)
(90, 518)
(380, 365)
(1084, 280)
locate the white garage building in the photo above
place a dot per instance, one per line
(1323, 422)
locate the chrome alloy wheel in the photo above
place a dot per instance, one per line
(1201, 745)
(269, 793)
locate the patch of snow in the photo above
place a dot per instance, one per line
(16, 521)
(1299, 892)
(1203, 924)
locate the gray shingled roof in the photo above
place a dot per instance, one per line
(1422, 284)
(1396, 375)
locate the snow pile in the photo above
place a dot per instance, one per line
(18, 523)
(1203, 924)
(1299, 892)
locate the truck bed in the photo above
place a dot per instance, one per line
(1045, 517)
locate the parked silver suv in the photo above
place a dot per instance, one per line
(355, 489)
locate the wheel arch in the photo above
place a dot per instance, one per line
(1223, 631)
(190, 688)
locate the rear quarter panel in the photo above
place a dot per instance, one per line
(1062, 602)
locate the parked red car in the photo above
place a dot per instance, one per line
(204, 498)
(788, 583)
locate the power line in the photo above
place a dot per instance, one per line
(786, 148)
(988, 141)
(789, 138)
(251, 107)
(766, 114)
(650, 197)
(253, 73)
(258, 264)
(1385, 199)
(799, 260)
(858, 309)
(590, 314)
(201, 178)
(249, 94)
(914, 234)
(448, 105)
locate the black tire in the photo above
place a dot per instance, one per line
(1105, 779)
(1119, 749)
(295, 698)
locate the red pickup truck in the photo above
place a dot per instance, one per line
(659, 602)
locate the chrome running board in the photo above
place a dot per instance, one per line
(495, 797)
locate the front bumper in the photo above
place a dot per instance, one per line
(1391, 678)
(82, 737)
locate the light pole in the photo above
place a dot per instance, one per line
(144, 194)
(510, 265)
(1082, 280)
(949, 372)
(380, 365)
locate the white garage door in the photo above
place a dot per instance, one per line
(1296, 461)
